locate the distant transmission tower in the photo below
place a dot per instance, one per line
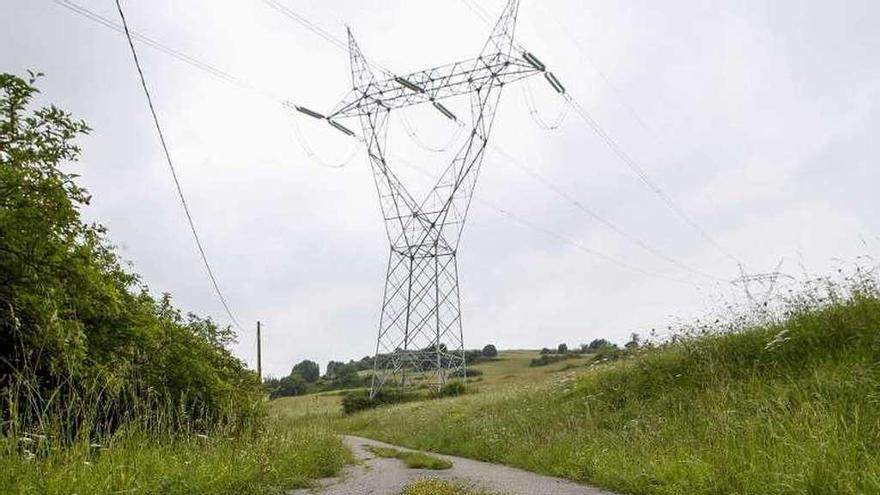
(764, 282)
(420, 330)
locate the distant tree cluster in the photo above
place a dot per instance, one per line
(601, 348)
(305, 377)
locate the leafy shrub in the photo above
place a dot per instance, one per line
(596, 344)
(489, 351)
(73, 317)
(360, 400)
(465, 373)
(453, 388)
(609, 353)
(546, 359)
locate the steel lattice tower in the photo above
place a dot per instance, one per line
(420, 329)
(764, 281)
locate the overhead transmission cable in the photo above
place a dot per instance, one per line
(646, 179)
(186, 211)
(621, 99)
(479, 11)
(213, 71)
(596, 216)
(302, 21)
(421, 144)
(529, 98)
(626, 158)
(205, 67)
(555, 235)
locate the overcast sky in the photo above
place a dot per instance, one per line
(761, 119)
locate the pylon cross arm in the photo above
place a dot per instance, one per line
(433, 85)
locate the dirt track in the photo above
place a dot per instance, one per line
(381, 476)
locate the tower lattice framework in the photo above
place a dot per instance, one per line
(420, 329)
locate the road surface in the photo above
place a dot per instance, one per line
(387, 476)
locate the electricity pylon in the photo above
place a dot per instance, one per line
(766, 282)
(420, 330)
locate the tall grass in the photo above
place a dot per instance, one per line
(76, 440)
(790, 406)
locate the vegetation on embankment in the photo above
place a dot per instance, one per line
(784, 408)
(268, 460)
(104, 388)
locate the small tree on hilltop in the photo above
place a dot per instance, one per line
(489, 351)
(597, 344)
(309, 370)
(634, 341)
(293, 384)
(562, 348)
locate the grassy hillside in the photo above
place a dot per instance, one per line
(790, 408)
(510, 371)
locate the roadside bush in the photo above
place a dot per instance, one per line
(453, 388)
(608, 353)
(360, 400)
(465, 373)
(546, 359)
(73, 317)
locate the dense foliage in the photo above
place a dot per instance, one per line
(75, 322)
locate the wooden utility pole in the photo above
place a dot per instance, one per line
(259, 354)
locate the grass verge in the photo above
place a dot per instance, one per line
(280, 457)
(789, 408)
(413, 460)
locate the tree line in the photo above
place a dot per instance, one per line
(305, 377)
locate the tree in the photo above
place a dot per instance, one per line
(597, 344)
(562, 348)
(346, 375)
(309, 370)
(292, 384)
(75, 322)
(489, 351)
(634, 341)
(330, 370)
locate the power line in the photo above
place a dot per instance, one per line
(302, 21)
(189, 219)
(643, 176)
(213, 71)
(605, 79)
(629, 161)
(595, 216)
(555, 235)
(479, 11)
(210, 69)
(318, 30)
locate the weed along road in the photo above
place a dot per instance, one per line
(378, 474)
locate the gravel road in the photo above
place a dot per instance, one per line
(382, 476)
